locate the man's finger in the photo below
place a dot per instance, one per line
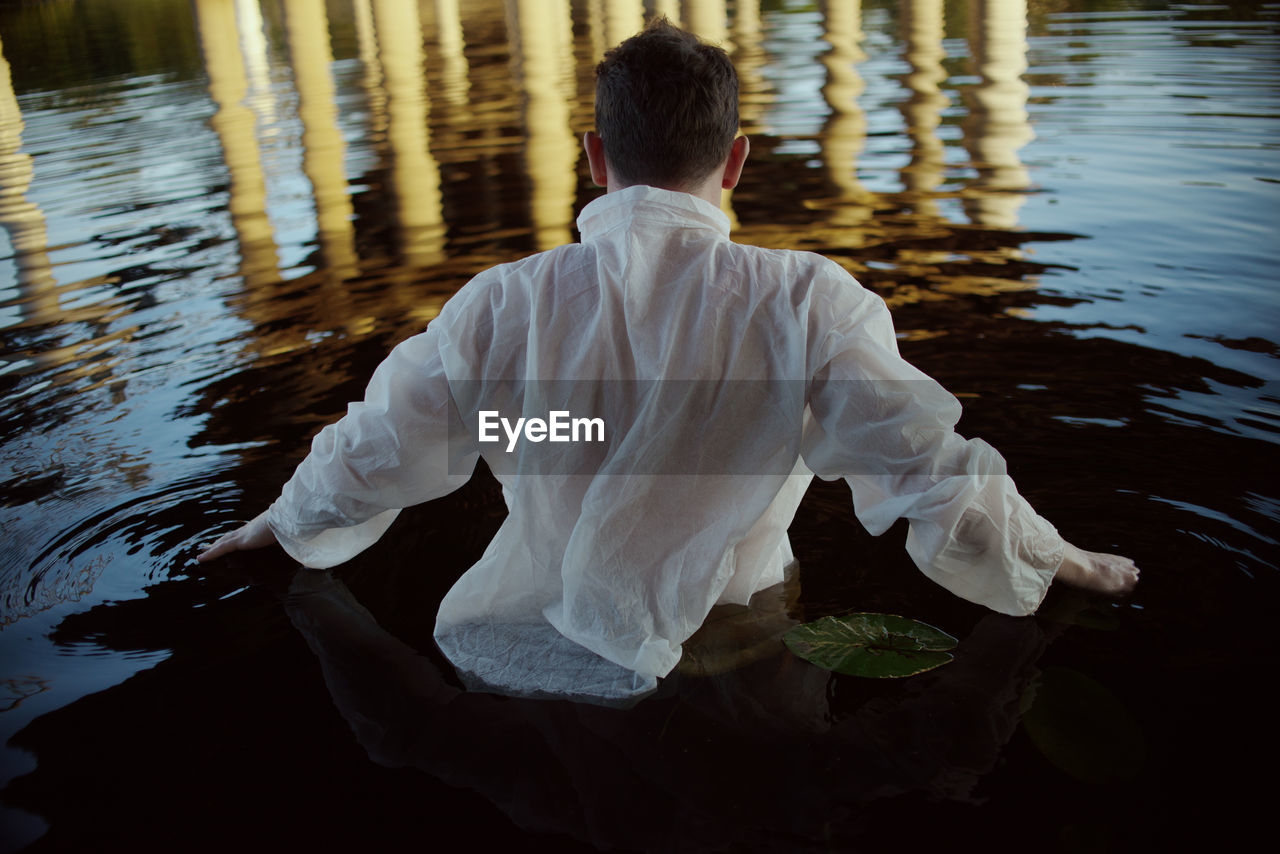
(215, 550)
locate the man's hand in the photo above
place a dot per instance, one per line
(251, 535)
(1111, 575)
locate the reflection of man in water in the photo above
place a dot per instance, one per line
(601, 572)
(764, 758)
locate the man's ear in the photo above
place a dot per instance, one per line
(594, 146)
(733, 166)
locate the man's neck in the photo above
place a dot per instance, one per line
(709, 190)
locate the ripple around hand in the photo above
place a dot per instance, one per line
(143, 536)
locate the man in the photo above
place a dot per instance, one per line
(723, 377)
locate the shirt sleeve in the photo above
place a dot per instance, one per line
(889, 430)
(403, 444)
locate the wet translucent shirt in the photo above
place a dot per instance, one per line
(725, 376)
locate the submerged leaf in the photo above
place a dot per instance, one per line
(1082, 728)
(873, 645)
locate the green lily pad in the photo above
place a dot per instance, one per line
(875, 645)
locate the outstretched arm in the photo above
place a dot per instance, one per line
(1108, 574)
(254, 534)
(889, 430)
(402, 445)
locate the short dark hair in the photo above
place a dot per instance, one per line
(666, 106)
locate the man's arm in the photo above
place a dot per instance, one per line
(888, 429)
(391, 450)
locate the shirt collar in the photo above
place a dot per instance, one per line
(652, 204)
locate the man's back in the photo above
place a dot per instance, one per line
(695, 353)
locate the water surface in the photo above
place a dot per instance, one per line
(219, 215)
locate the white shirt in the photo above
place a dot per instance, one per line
(725, 375)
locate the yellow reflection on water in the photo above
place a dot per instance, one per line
(845, 133)
(21, 219)
(707, 19)
(371, 76)
(415, 175)
(450, 95)
(669, 8)
(451, 45)
(539, 33)
(435, 100)
(622, 20)
(308, 31)
(234, 124)
(754, 93)
(922, 32)
(997, 125)
(257, 67)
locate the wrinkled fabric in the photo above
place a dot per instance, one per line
(605, 565)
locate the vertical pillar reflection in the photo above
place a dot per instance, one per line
(746, 16)
(845, 132)
(450, 41)
(543, 58)
(415, 175)
(922, 33)
(596, 29)
(749, 58)
(234, 124)
(707, 19)
(622, 20)
(322, 155)
(23, 219)
(371, 76)
(257, 68)
(670, 9)
(998, 125)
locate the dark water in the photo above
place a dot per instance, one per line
(220, 215)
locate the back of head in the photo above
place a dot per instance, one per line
(666, 107)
